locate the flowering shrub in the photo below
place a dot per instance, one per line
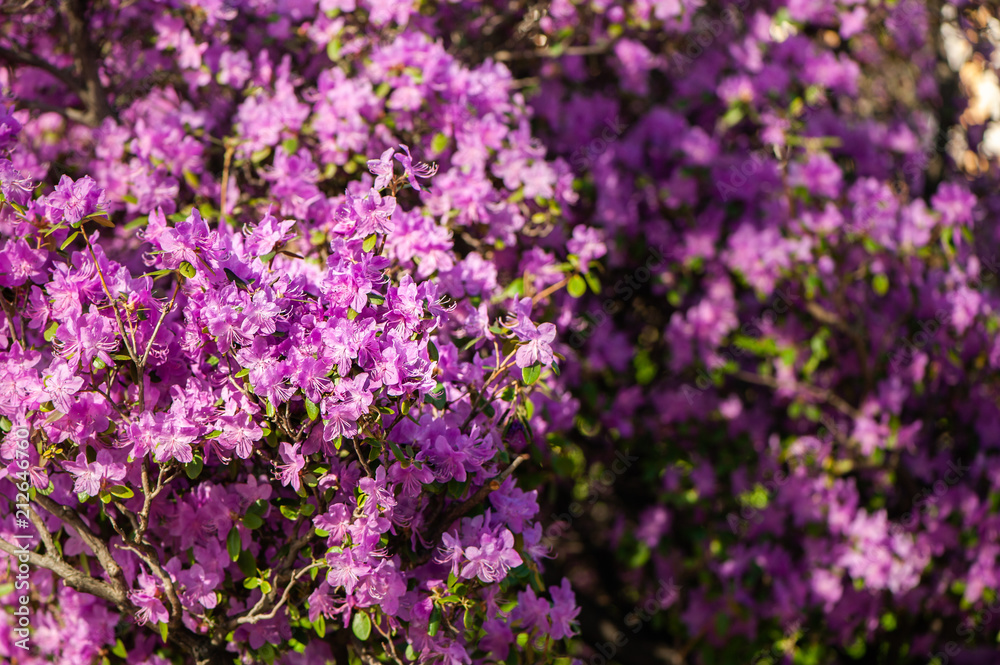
(351, 311)
(269, 363)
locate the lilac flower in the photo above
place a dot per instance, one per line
(451, 552)
(564, 611)
(494, 557)
(413, 171)
(345, 570)
(15, 187)
(537, 348)
(72, 201)
(382, 169)
(289, 472)
(92, 477)
(268, 234)
(61, 383)
(150, 606)
(199, 586)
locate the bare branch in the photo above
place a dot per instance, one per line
(70, 575)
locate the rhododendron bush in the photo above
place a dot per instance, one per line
(387, 331)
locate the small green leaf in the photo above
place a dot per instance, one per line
(105, 496)
(163, 630)
(361, 626)
(432, 352)
(265, 586)
(193, 468)
(312, 409)
(251, 583)
(320, 626)
(439, 143)
(233, 543)
(50, 332)
(435, 622)
(122, 492)
(246, 563)
(69, 241)
(369, 243)
(531, 374)
(252, 521)
(187, 269)
(881, 284)
(333, 52)
(290, 512)
(243, 372)
(577, 286)
(119, 650)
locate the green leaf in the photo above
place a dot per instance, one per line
(50, 332)
(361, 626)
(105, 496)
(252, 521)
(246, 563)
(333, 52)
(122, 492)
(577, 286)
(233, 543)
(69, 241)
(187, 269)
(439, 143)
(593, 282)
(251, 583)
(265, 586)
(119, 650)
(369, 243)
(881, 284)
(320, 626)
(193, 468)
(163, 630)
(435, 622)
(432, 352)
(243, 372)
(531, 374)
(312, 409)
(290, 512)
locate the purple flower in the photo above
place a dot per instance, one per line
(62, 383)
(92, 477)
(413, 171)
(382, 169)
(72, 201)
(494, 557)
(15, 187)
(288, 473)
(564, 611)
(537, 348)
(150, 606)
